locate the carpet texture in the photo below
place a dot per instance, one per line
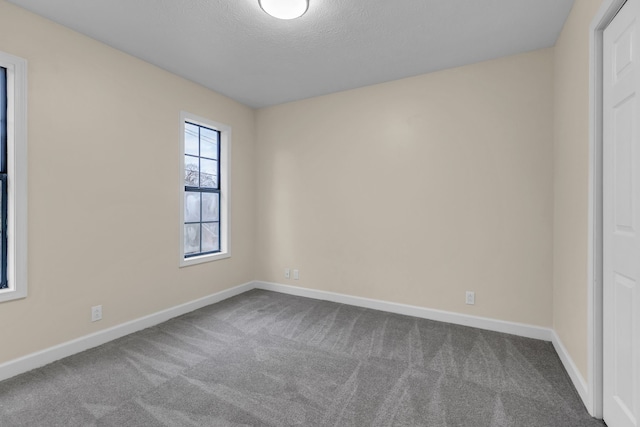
(269, 359)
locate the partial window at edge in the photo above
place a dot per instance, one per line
(4, 282)
(13, 177)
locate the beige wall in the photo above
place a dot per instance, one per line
(103, 187)
(571, 180)
(412, 191)
(416, 190)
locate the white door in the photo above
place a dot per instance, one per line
(621, 218)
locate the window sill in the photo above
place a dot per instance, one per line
(185, 262)
(11, 294)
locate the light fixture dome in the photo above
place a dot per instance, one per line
(285, 9)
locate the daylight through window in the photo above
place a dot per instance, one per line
(201, 190)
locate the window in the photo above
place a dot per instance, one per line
(13, 178)
(4, 282)
(204, 225)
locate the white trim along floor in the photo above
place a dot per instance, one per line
(49, 355)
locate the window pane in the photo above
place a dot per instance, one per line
(208, 143)
(2, 237)
(191, 139)
(208, 173)
(3, 119)
(191, 206)
(191, 171)
(210, 203)
(191, 238)
(210, 237)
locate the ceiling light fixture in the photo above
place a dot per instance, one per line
(284, 9)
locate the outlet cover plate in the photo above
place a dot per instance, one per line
(470, 298)
(96, 313)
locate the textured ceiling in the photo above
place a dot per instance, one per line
(234, 48)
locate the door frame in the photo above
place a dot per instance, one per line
(602, 19)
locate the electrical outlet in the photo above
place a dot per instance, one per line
(287, 273)
(296, 274)
(96, 313)
(471, 298)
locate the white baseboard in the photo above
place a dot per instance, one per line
(49, 355)
(576, 377)
(521, 329)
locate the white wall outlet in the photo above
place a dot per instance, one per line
(287, 273)
(470, 298)
(96, 313)
(296, 274)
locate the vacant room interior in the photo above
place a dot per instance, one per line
(430, 159)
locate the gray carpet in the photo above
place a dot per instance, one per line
(268, 359)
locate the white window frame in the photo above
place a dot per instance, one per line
(17, 177)
(225, 185)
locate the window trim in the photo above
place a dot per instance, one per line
(17, 177)
(224, 184)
